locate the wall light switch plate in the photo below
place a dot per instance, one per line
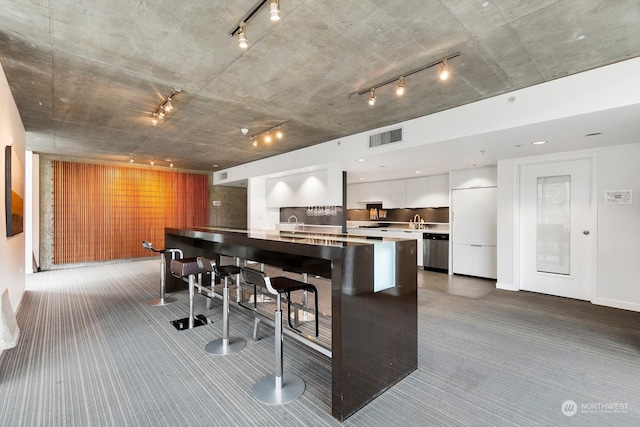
(216, 203)
(617, 197)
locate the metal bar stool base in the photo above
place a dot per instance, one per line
(183, 324)
(162, 301)
(265, 390)
(219, 347)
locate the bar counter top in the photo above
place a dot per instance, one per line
(373, 298)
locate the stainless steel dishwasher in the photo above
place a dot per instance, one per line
(435, 253)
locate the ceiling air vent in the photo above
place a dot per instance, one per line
(222, 175)
(383, 138)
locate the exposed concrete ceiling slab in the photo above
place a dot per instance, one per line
(86, 76)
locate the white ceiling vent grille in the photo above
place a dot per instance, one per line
(383, 138)
(222, 175)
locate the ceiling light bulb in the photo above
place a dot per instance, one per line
(400, 88)
(168, 106)
(242, 39)
(279, 134)
(444, 70)
(154, 120)
(152, 163)
(267, 138)
(161, 114)
(131, 159)
(255, 142)
(372, 98)
(274, 10)
(170, 165)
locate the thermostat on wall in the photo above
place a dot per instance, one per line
(618, 197)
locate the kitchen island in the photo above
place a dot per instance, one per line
(374, 341)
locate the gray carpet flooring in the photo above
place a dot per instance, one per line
(92, 352)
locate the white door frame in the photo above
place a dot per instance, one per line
(592, 157)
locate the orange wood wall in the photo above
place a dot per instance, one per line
(103, 212)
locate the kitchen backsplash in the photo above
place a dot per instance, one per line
(400, 215)
(313, 215)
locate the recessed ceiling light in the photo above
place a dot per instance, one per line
(361, 160)
(215, 166)
(471, 165)
(538, 142)
(417, 172)
(361, 179)
(485, 4)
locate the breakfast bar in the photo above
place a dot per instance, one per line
(373, 298)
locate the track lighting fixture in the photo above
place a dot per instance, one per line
(242, 38)
(444, 70)
(443, 73)
(152, 162)
(400, 88)
(164, 107)
(274, 10)
(372, 98)
(277, 129)
(274, 15)
(131, 160)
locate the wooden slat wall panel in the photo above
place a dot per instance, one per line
(103, 212)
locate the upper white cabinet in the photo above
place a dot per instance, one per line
(417, 192)
(394, 194)
(428, 192)
(358, 195)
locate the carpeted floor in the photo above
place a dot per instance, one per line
(92, 352)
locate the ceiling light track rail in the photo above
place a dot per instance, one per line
(246, 17)
(164, 107)
(277, 129)
(443, 60)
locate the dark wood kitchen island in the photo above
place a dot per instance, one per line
(374, 325)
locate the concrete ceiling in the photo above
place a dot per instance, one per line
(87, 75)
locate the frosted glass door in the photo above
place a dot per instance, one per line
(553, 228)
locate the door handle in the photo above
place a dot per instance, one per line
(585, 232)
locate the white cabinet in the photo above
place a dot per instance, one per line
(428, 192)
(394, 194)
(438, 191)
(358, 195)
(474, 232)
(417, 192)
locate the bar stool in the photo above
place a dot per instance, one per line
(278, 388)
(188, 268)
(226, 344)
(163, 272)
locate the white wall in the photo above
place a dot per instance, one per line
(32, 211)
(11, 249)
(617, 280)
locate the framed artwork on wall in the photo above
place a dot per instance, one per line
(14, 192)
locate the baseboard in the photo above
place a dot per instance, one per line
(617, 304)
(506, 286)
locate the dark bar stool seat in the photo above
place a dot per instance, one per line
(163, 300)
(188, 268)
(278, 388)
(226, 344)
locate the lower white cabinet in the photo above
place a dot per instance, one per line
(475, 260)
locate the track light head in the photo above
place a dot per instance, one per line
(372, 98)
(255, 142)
(242, 39)
(154, 120)
(267, 138)
(274, 10)
(131, 160)
(279, 134)
(400, 88)
(444, 70)
(168, 106)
